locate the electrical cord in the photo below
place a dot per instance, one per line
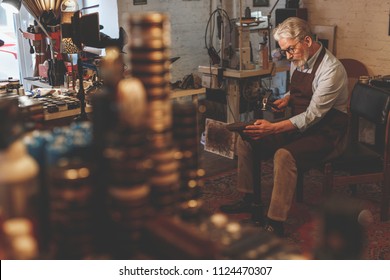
(220, 14)
(230, 108)
(217, 16)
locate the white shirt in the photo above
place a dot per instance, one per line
(330, 90)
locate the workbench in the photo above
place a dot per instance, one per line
(235, 78)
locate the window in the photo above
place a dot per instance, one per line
(15, 58)
(9, 66)
(16, 61)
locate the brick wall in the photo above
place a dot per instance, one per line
(361, 33)
(362, 29)
(188, 23)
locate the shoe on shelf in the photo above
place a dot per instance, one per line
(275, 227)
(240, 206)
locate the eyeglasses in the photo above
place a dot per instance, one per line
(290, 49)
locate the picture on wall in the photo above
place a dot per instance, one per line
(326, 35)
(260, 3)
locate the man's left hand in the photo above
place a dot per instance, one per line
(259, 129)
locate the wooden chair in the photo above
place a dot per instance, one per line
(354, 69)
(360, 162)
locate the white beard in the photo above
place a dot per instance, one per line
(300, 63)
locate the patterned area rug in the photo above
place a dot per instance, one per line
(303, 226)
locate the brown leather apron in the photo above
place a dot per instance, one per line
(317, 142)
(301, 89)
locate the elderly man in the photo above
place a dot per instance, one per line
(318, 97)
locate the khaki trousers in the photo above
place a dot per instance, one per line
(285, 178)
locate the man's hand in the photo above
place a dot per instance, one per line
(259, 129)
(262, 128)
(281, 103)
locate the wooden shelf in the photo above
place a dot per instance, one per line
(66, 113)
(186, 92)
(280, 66)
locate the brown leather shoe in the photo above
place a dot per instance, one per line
(275, 227)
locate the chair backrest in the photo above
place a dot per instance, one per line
(354, 69)
(372, 104)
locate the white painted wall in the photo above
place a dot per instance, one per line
(188, 23)
(188, 26)
(362, 28)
